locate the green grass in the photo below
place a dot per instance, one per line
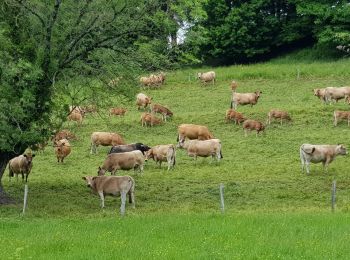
(261, 175)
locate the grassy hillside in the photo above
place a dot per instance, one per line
(261, 175)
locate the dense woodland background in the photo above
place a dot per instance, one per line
(58, 53)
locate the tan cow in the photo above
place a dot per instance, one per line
(104, 139)
(21, 165)
(114, 186)
(164, 111)
(62, 149)
(244, 99)
(233, 86)
(335, 94)
(320, 93)
(232, 115)
(118, 111)
(319, 153)
(277, 114)
(250, 125)
(341, 115)
(143, 101)
(122, 161)
(162, 153)
(148, 119)
(203, 148)
(193, 132)
(76, 116)
(206, 77)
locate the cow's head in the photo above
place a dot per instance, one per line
(89, 180)
(258, 93)
(142, 147)
(148, 155)
(29, 157)
(199, 75)
(101, 172)
(316, 92)
(341, 149)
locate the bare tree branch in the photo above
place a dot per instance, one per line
(27, 7)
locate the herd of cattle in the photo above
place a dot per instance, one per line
(197, 140)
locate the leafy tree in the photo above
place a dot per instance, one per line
(46, 43)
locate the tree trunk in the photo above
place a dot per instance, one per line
(5, 157)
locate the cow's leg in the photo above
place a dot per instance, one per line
(141, 169)
(22, 176)
(26, 177)
(245, 132)
(307, 166)
(102, 199)
(123, 199)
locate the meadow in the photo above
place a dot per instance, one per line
(272, 208)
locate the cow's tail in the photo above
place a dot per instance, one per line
(173, 155)
(132, 190)
(10, 172)
(220, 148)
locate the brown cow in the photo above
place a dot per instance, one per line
(164, 111)
(253, 125)
(203, 148)
(320, 93)
(233, 86)
(118, 111)
(336, 94)
(149, 119)
(104, 139)
(244, 99)
(278, 114)
(206, 77)
(142, 100)
(62, 149)
(162, 153)
(122, 161)
(341, 115)
(193, 132)
(76, 116)
(21, 165)
(232, 115)
(112, 185)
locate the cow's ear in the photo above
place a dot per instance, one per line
(93, 178)
(313, 149)
(25, 155)
(84, 178)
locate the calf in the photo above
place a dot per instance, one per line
(117, 111)
(165, 112)
(114, 186)
(122, 161)
(129, 147)
(232, 115)
(162, 153)
(250, 125)
(341, 115)
(206, 77)
(104, 139)
(277, 114)
(203, 148)
(319, 153)
(149, 119)
(21, 165)
(193, 132)
(143, 101)
(62, 149)
(244, 99)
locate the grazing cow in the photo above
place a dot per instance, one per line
(143, 101)
(319, 153)
(234, 86)
(206, 77)
(232, 115)
(114, 186)
(278, 114)
(62, 149)
(244, 99)
(341, 115)
(63, 134)
(203, 148)
(320, 93)
(335, 94)
(149, 119)
(250, 125)
(162, 153)
(118, 111)
(129, 147)
(21, 165)
(122, 161)
(76, 116)
(153, 80)
(104, 139)
(165, 112)
(193, 132)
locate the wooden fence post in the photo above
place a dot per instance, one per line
(222, 197)
(334, 190)
(25, 198)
